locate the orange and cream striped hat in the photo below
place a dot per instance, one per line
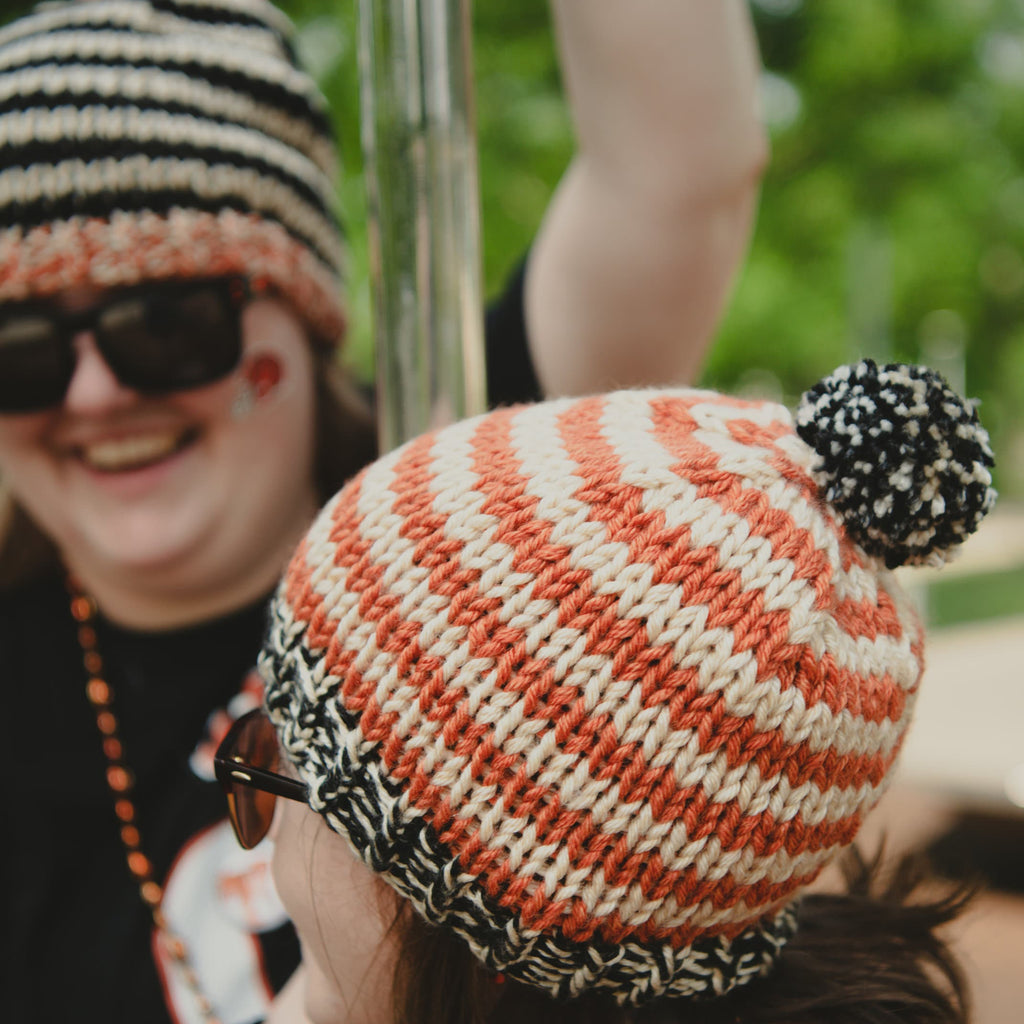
(601, 684)
(152, 139)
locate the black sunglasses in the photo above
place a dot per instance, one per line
(159, 337)
(245, 764)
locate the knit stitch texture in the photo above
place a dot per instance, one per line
(149, 139)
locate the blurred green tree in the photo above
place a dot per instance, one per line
(892, 217)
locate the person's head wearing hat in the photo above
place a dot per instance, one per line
(170, 295)
(595, 689)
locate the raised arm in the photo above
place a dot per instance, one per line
(634, 261)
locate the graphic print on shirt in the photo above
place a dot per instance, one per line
(219, 899)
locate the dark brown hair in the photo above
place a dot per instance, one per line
(869, 955)
(345, 433)
(345, 440)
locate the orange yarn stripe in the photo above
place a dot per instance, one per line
(701, 466)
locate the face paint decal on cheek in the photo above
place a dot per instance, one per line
(264, 374)
(261, 378)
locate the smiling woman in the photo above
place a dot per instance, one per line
(127, 447)
(170, 417)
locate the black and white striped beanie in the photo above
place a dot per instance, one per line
(150, 139)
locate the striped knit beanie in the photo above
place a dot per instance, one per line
(149, 139)
(601, 684)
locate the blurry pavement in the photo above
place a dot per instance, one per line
(965, 755)
(968, 737)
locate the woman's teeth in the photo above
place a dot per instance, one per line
(132, 452)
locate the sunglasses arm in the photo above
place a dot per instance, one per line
(236, 772)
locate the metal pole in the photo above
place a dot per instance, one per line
(419, 145)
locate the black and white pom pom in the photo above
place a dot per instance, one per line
(902, 459)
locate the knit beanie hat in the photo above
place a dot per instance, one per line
(601, 684)
(150, 139)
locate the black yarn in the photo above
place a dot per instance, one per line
(288, 97)
(902, 459)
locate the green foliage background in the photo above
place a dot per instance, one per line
(892, 215)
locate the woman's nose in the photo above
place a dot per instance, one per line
(94, 387)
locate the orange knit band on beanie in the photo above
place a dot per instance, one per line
(602, 684)
(152, 139)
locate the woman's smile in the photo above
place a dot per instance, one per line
(133, 451)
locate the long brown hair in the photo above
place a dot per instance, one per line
(870, 955)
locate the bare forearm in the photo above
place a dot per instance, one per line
(630, 298)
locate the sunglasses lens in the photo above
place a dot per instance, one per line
(252, 810)
(172, 338)
(36, 364)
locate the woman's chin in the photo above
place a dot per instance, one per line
(322, 1001)
(141, 545)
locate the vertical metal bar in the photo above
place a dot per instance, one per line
(419, 145)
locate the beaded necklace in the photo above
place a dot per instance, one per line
(121, 783)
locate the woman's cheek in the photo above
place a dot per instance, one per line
(292, 832)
